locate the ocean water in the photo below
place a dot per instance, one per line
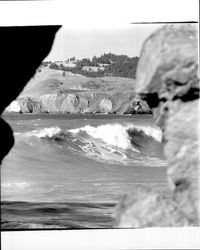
(70, 171)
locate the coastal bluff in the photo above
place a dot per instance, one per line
(49, 91)
(167, 78)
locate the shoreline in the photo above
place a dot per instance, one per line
(71, 115)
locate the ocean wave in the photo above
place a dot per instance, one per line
(117, 134)
(113, 134)
(111, 143)
(41, 133)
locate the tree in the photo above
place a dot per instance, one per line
(94, 61)
(53, 66)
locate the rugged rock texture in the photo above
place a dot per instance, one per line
(145, 208)
(167, 78)
(28, 105)
(105, 105)
(182, 152)
(82, 102)
(136, 106)
(23, 48)
(169, 72)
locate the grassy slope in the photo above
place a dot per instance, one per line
(52, 81)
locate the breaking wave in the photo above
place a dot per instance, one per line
(112, 143)
(117, 134)
(42, 133)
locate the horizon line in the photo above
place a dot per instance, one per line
(164, 22)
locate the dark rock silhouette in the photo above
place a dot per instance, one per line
(22, 51)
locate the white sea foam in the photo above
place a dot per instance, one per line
(116, 134)
(108, 143)
(15, 185)
(151, 131)
(112, 134)
(42, 133)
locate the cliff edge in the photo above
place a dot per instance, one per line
(51, 91)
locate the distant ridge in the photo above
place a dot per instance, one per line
(105, 65)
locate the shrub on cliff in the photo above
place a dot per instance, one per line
(53, 66)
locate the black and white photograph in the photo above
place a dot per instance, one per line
(100, 126)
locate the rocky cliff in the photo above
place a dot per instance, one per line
(167, 78)
(52, 92)
(117, 103)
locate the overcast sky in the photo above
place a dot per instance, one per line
(88, 42)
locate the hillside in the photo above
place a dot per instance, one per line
(105, 65)
(49, 81)
(58, 91)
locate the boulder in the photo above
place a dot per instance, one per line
(169, 62)
(105, 105)
(137, 106)
(28, 105)
(182, 152)
(146, 208)
(13, 107)
(167, 78)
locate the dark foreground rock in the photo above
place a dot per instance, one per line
(167, 78)
(25, 48)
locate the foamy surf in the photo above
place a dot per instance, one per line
(41, 133)
(116, 134)
(113, 134)
(110, 143)
(15, 185)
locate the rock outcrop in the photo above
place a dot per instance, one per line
(146, 208)
(105, 105)
(94, 102)
(167, 78)
(51, 91)
(25, 48)
(28, 105)
(13, 107)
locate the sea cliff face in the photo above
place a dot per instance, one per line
(51, 91)
(167, 78)
(93, 102)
